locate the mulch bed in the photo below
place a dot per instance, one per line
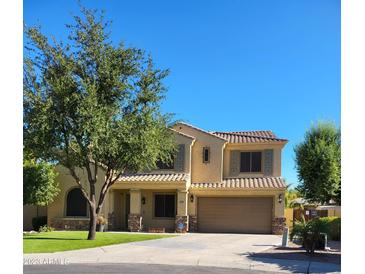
(296, 252)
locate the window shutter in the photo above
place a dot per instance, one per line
(180, 157)
(268, 162)
(234, 165)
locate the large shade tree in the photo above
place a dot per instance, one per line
(318, 163)
(93, 104)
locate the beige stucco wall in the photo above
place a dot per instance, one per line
(278, 208)
(117, 205)
(57, 209)
(148, 211)
(204, 172)
(31, 211)
(180, 139)
(253, 147)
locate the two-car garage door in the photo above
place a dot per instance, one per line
(235, 214)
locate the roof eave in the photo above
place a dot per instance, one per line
(201, 130)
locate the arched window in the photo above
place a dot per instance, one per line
(76, 203)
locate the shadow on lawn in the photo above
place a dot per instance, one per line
(50, 238)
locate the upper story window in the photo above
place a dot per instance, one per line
(251, 162)
(162, 165)
(206, 155)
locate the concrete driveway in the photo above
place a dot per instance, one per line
(197, 249)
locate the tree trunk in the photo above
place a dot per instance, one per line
(92, 223)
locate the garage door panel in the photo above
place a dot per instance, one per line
(235, 214)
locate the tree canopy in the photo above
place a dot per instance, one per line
(39, 183)
(318, 163)
(90, 103)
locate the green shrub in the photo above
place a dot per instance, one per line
(310, 234)
(333, 227)
(297, 231)
(46, 228)
(37, 222)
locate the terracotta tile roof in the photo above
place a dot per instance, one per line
(257, 133)
(259, 136)
(244, 183)
(202, 130)
(150, 177)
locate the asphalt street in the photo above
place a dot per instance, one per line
(133, 269)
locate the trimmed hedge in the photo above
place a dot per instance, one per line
(333, 225)
(37, 222)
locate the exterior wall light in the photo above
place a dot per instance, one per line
(280, 198)
(143, 200)
(192, 198)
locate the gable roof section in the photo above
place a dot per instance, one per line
(183, 134)
(259, 136)
(201, 130)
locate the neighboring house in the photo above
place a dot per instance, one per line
(218, 182)
(331, 210)
(312, 210)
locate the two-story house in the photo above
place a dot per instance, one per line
(217, 182)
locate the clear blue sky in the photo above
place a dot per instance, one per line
(235, 65)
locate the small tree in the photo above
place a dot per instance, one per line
(91, 104)
(39, 183)
(318, 163)
(290, 195)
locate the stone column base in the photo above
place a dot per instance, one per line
(135, 222)
(181, 224)
(278, 225)
(193, 223)
(111, 221)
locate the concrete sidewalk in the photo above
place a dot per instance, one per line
(214, 250)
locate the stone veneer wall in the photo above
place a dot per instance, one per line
(181, 224)
(278, 225)
(193, 223)
(135, 222)
(70, 224)
(111, 221)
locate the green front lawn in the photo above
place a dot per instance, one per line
(70, 240)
